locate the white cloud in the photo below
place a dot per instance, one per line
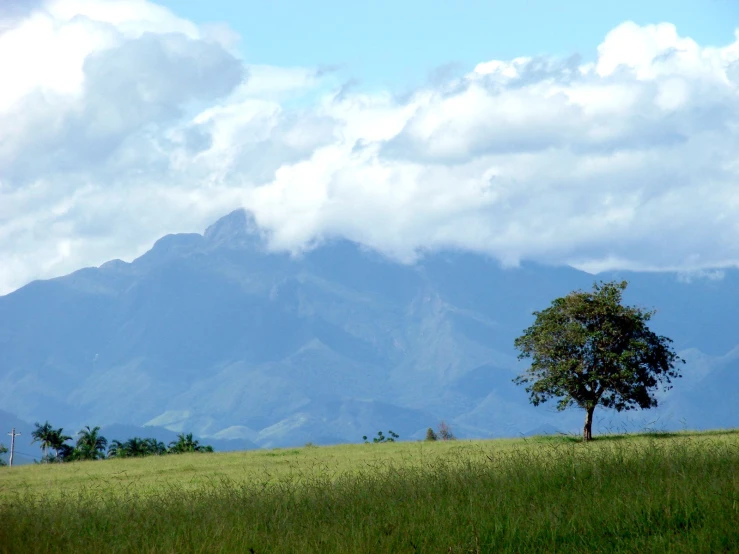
(121, 122)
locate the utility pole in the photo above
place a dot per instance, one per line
(12, 434)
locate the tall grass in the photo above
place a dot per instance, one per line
(656, 495)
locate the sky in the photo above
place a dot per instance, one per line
(393, 44)
(554, 132)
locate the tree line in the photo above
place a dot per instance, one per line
(91, 445)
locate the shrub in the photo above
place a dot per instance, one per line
(382, 438)
(445, 432)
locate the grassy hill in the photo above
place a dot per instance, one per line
(646, 493)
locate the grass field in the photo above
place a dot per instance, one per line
(640, 493)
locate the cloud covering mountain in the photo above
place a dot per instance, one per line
(121, 122)
(214, 334)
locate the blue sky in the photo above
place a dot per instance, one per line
(124, 120)
(386, 43)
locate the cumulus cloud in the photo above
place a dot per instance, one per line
(122, 122)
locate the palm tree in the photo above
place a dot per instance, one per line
(65, 453)
(44, 434)
(185, 443)
(117, 449)
(58, 438)
(135, 447)
(91, 444)
(155, 447)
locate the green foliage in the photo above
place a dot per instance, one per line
(632, 495)
(64, 453)
(90, 444)
(3, 450)
(430, 435)
(155, 447)
(587, 349)
(390, 437)
(43, 434)
(185, 443)
(50, 438)
(136, 447)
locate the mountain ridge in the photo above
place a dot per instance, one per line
(324, 346)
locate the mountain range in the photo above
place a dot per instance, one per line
(217, 335)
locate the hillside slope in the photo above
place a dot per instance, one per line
(214, 334)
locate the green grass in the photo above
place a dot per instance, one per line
(638, 493)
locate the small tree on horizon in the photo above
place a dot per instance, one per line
(587, 349)
(444, 432)
(3, 450)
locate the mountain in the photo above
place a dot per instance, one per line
(216, 335)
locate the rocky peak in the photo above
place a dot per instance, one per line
(238, 229)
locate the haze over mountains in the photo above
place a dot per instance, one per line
(215, 335)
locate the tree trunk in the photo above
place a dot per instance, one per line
(587, 432)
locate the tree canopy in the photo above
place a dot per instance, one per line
(588, 349)
(51, 438)
(185, 443)
(90, 444)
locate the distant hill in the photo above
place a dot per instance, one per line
(213, 334)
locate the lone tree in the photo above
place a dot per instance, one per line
(589, 349)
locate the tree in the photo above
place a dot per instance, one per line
(116, 449)
(444, 432)
(185, 443)
(3, 450)
(51, 438)
(155, 447)
(45, 435)
(587, 349)
(90, 444)
(380, 438)
(135, 447)
(63, 451)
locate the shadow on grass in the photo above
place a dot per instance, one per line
(563, 438)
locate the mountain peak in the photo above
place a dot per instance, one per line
(238, 229)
